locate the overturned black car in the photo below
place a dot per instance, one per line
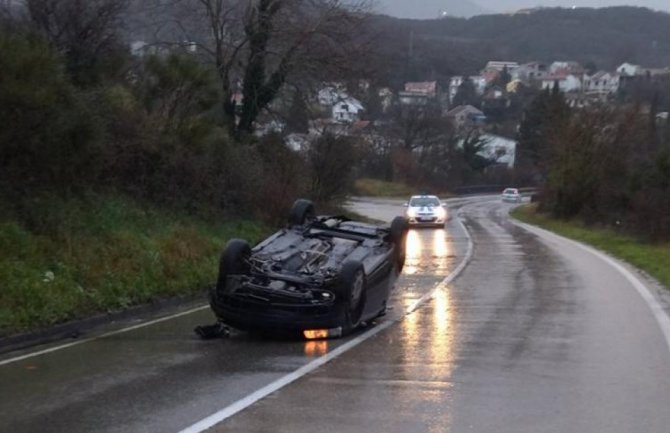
(322, 276)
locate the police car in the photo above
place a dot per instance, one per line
(426, 210)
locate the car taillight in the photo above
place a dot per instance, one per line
(320, 334)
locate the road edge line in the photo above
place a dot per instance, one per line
(662, 318)
(238, 406)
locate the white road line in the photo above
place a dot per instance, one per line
(252, 398)
(108, 334)
(280, 383)
(454, 274)
(659, 314)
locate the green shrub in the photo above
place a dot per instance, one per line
(105, 253)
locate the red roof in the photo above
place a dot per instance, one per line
(425, 87)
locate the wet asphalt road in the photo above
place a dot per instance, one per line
(535, 335)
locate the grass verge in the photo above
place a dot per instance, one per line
(380, 188)
(651, 258)
(100, 254)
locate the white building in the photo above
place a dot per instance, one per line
(347, 110)
(533, 71)
(419, 93)
(566, 67)
(566, 83)
(501, 65)
(493, 69)
(629, 70)
(601, 83)
(499, 149)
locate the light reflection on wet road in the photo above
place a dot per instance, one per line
(533, 337)
(529, 338)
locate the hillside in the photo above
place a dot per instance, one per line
(604, 38)
(432, 8)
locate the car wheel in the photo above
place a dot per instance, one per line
(351, 289)
(399, 228)
(233, 261)
(301, 212)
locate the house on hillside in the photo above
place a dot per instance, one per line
(421, 93)
(493, 69)
(347, 110)
(566, 83)
(500, 65)
(428, 89)
(566, 68)
(601, 83)
(531, 72)
(499, 149)
(466, 116)
(629, 70)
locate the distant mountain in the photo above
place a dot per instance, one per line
(600, 38)
(428, 9)
(513, 5)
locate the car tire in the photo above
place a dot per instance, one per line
(301, 212)
(233, 261)
(399, 229)
(351, 289)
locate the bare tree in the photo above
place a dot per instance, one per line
(420, 126)
(258, 46)
(84, 31)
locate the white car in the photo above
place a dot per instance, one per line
(511, 195)
(426, 210)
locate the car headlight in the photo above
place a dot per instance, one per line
(411, 213)
(441, 212)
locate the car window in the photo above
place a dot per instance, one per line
(510, 191)
(424, 202)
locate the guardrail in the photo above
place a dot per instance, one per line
(483, 189)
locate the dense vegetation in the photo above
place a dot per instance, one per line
(606, 165)
(97, 183)
(121, 176)
(100, 253)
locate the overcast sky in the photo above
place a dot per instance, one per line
(427, 8)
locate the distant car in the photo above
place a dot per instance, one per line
(511, 195)
(426, 210)
(321, 276)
